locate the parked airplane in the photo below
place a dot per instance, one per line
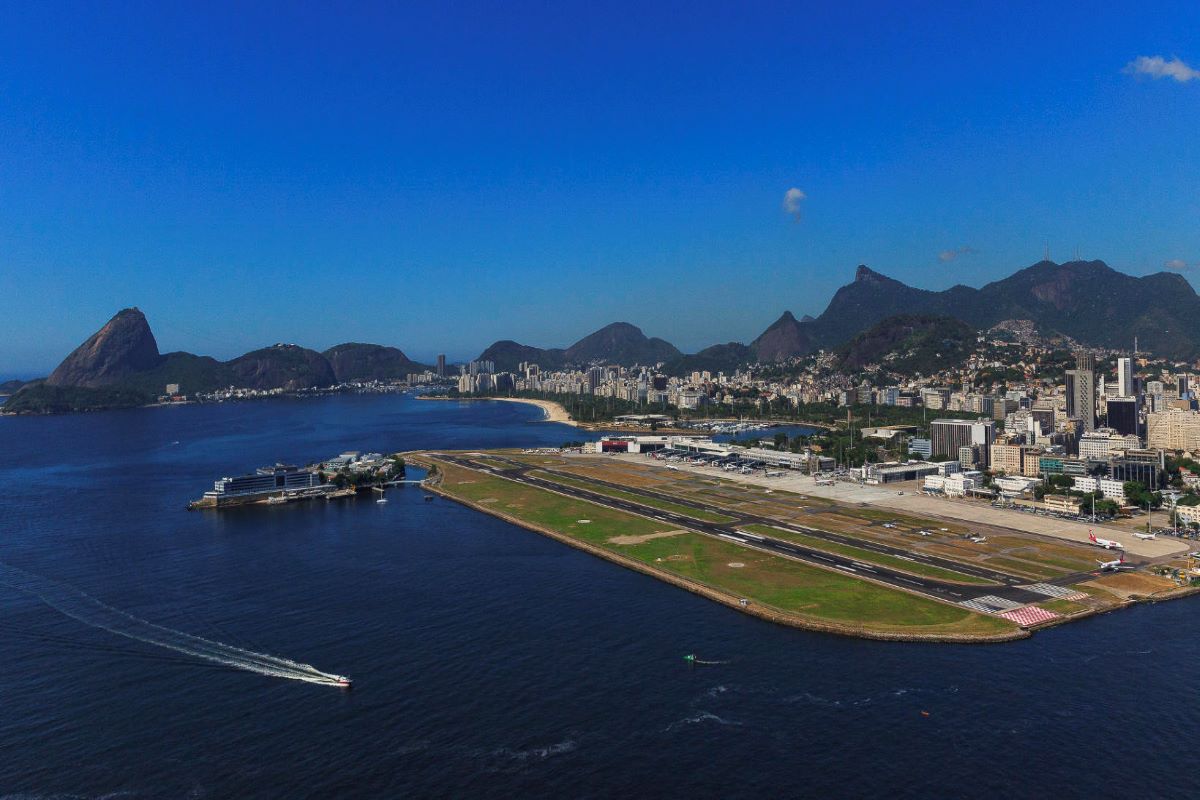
(1145, 536)
(672, 467)
(1112, 566)
(1107, 544)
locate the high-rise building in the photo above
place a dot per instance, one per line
(1081, 392)
(949, 435)
(1125, 377)
(1173, 430)
(1123, 415)
(1045, 418)
(441, 365)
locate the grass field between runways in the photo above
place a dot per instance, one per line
(867, 556)
(633, 497)
(779, 583)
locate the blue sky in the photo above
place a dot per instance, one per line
(447, 174)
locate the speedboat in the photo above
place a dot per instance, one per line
(381, 500)
(343, 681)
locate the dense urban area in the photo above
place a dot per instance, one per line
(1018, 420)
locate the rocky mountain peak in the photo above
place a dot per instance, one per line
(123, 346)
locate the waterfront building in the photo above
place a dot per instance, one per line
(281, 477)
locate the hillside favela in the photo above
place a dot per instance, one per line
(576, 402)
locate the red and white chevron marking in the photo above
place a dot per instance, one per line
(1029, 615)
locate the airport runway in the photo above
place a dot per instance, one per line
(1004, 585)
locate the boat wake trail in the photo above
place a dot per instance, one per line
(691, 659)
(84, 608)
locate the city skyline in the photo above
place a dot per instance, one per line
(381, 173)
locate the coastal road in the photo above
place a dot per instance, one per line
(1004, 586)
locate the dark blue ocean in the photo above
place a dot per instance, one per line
(489, 661)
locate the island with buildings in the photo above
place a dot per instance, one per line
(344, 475)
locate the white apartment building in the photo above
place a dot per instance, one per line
(1113, 490)
(1098, 444)
(1173, 430)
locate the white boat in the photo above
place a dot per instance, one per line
(381, 499)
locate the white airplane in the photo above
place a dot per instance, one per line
(1145, 536)
(1107, 544)
(1114, 565)
(672, 467)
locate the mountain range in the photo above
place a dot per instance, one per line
(1085, 300)
(618, 343)
(120, 364)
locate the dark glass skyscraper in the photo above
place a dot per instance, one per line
(1123, 415)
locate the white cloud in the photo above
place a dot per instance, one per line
(1177, 264)
(792, 199)
(1158, 67)
(949, 255)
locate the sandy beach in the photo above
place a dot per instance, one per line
(554, 412)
